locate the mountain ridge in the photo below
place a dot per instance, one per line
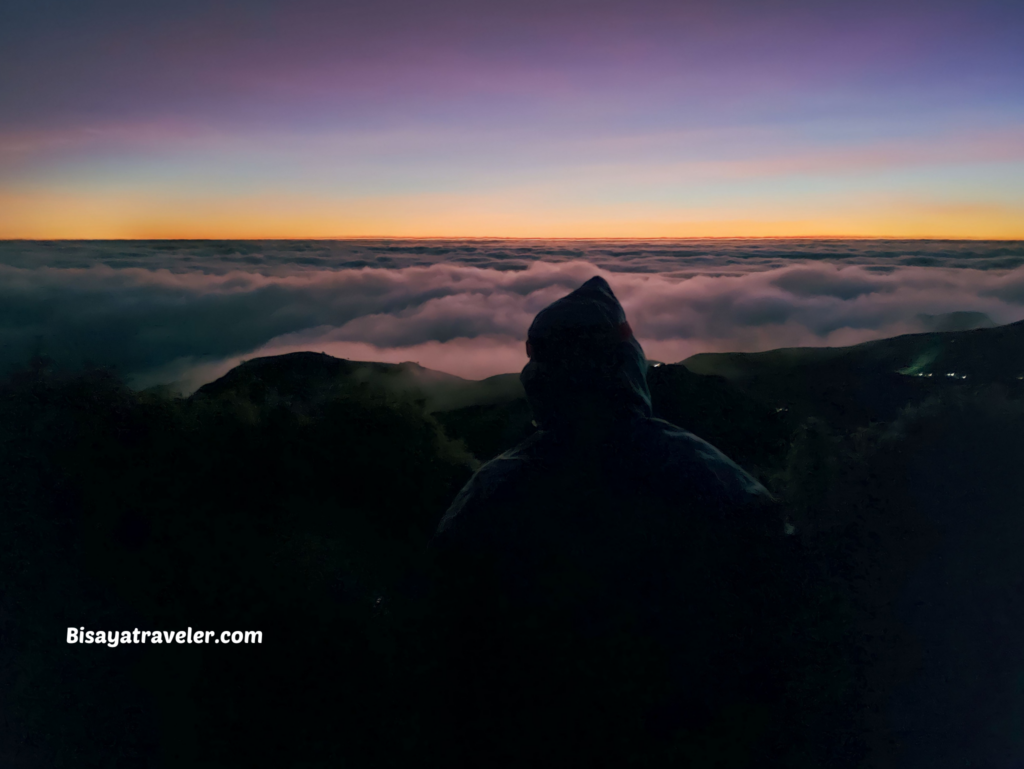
(304, 378)
(718, 396)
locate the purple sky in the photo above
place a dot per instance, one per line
(529, 118)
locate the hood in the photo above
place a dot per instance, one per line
(582, 343)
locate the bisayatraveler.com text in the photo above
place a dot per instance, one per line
(112, 638)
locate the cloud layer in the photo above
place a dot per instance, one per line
(187, 312)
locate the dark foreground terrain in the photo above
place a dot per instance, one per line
(297, 494)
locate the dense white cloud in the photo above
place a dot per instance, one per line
(187, 312)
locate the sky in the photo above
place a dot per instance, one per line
(185, 313)
(553, 119)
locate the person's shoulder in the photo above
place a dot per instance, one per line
(682, 456)
(492, 481)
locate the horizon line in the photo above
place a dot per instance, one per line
(529, 237)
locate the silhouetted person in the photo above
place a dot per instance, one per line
(610, 586)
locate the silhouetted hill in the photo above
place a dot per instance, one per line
(872, 381)
(491, 415)
(747, 404)
(303, 380)
(711, 394)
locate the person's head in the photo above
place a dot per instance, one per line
(585, 362)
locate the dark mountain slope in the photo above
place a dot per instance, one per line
(753, 433)
(305, 379)
(872, 381)
(747, 404)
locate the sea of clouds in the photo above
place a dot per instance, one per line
(186, 312)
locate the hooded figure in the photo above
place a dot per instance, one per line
(608, 585)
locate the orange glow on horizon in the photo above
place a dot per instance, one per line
(60, 216)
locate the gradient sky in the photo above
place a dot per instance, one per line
(524, 119)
